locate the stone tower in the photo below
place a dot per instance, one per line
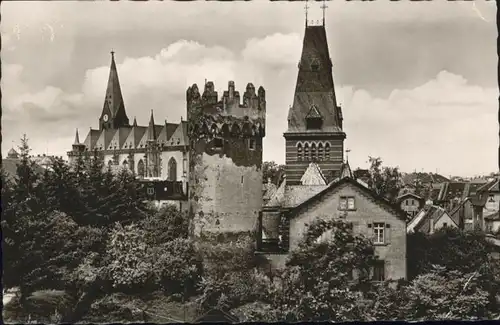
(225, 162)
(78, 150)
(153, 150)
(113, 114)
(314, 120)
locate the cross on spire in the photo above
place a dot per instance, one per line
(324, 6)
(306, 7)
(112, 53)
(347, 154)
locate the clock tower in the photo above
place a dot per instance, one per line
(113, 114)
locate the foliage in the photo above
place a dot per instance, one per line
(165, 225)
(273, 171)
(384, 301)
(318, 283)
(385, 181)
(178, 266)
(131, 260)
(450, 295)
(115, 308)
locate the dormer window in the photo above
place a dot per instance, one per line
(314, 120)
(315, 65)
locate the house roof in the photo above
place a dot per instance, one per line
(409, 194)
(492, 186)
(421, 220)
(495, 216)
(425, 178)
(337, 184)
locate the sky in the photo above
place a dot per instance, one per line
(417, 82)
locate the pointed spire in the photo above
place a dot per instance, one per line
(114, 99)
(135, 122)
(77, 138)
(324, 6)
(345, 171)
(306, 8)
(151, 128)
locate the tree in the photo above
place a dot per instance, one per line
(385, 181)
(273, 171)
(165, 225)
(324, 279)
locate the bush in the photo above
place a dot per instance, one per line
(115, 308)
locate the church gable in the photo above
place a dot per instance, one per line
(313, 176)
(119, 138)
(91, 139)
(179, 137)
(105, 139)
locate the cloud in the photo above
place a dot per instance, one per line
(443, 122)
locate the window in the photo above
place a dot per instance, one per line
(379, 271)
(251, 144)
(346, 203)
(313, 152)
(327, 151)
(320, 151)
(306, 151)
(445, 224)
(172, 169)
(406, 202)
(218, 143)
(314, 123)
(412, 202)
(378, 232)
(299, 152)
(140, 169)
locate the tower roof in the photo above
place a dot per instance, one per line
(315, 86)
(151, 128)
(77, 138)
(114, 98)
(345, 171)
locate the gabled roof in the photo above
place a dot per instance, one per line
(105, 138)
(338, 184)
(421, 221)
(277, 198)
(119, 138)
(409, 194)
(451, 190)
(91, 139)
(179, 137)
(134, 137)
(313, 113)
(313, 176)
(492, 186)
(345, 170)
(12, 154)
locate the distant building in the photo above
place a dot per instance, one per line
(430, 219)
(469, 213)
(490, 192)
(410, 203)
(9, 165)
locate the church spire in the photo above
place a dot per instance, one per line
(77, 138)
(151, 128)
(114, 115)
(324, 6)
(135, 122)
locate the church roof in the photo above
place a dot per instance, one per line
(114, 98)
(314, 91)
(313, 176)
(12, 154)
(345, 171)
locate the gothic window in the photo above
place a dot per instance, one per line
(320, 151)
(141, 169)
(306, 151)
(172, 169)
(327, 151)
(313, 152)
(299, 152)
(125, 163)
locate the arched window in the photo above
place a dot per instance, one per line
(313, 152)
(306, 151)
(172, 170)
(125, 164)
(141, 171)
(299, 152)
(327, 151)
(110, 163)
(320, 151)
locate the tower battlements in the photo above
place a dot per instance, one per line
(252, 109)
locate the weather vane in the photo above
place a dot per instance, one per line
(306, 7)
(324, 6)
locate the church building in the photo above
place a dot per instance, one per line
(318, 182)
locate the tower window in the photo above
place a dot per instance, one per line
(251, 144)
(313, 152)
(320, 151)
(218, 143)
(299, 152)
(306, 151)
(315, 65)
(327, 151)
